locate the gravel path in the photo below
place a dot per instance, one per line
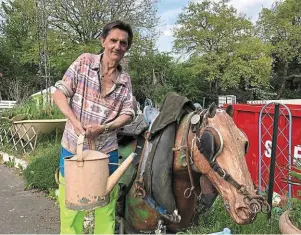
(25, 211)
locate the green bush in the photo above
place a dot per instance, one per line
(40, 172)
(296, 212)
(30, 110)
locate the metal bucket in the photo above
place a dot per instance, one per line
(86, 176)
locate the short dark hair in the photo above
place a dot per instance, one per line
(118, 24)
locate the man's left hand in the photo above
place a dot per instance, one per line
(93, 130)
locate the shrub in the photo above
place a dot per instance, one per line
(31, 110)
(295, 212)
(40, 172)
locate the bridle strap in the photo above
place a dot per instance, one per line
(223, 174)
(215, 167)
(186, 152)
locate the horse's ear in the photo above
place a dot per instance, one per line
(230, 110)
(212, 110)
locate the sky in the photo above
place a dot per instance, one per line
(168, 10)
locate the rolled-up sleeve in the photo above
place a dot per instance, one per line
(128, 104)
(69, 81)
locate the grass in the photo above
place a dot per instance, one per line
(41, 170)
(216, 219)
(45, 142)
(43, 162)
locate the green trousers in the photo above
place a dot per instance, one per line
(72, 221)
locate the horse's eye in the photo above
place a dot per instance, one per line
(247, 145)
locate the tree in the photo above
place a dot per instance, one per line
(19, 25)
(149, 71)
(222, 47)
(184, 81)
(281, 26)
(20, 46)
(83, 20)
(14, 74)
(16, 37)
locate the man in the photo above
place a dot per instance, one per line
(101, 101)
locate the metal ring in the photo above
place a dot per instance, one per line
(255, 207)
(265, 208)
(141, 192)
(189, 190)
(183, 160)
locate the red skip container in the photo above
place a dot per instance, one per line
(246, 118)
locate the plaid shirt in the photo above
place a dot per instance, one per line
(81, 83)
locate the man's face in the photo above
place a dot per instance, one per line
(115, 44)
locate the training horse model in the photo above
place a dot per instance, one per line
(182, 168)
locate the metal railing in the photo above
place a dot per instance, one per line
(7, 104)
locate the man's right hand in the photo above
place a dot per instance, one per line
(78, 128)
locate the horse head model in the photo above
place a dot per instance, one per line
(186, 161)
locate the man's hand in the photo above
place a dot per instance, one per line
(93, 130)
(78, 127)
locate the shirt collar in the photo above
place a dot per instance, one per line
(96, 65)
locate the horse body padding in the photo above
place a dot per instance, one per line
(158, 172)
(172, 110)
(135, 128)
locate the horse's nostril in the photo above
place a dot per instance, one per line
(244, 213)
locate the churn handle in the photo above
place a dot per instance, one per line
(57, 175)
(79, 149)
